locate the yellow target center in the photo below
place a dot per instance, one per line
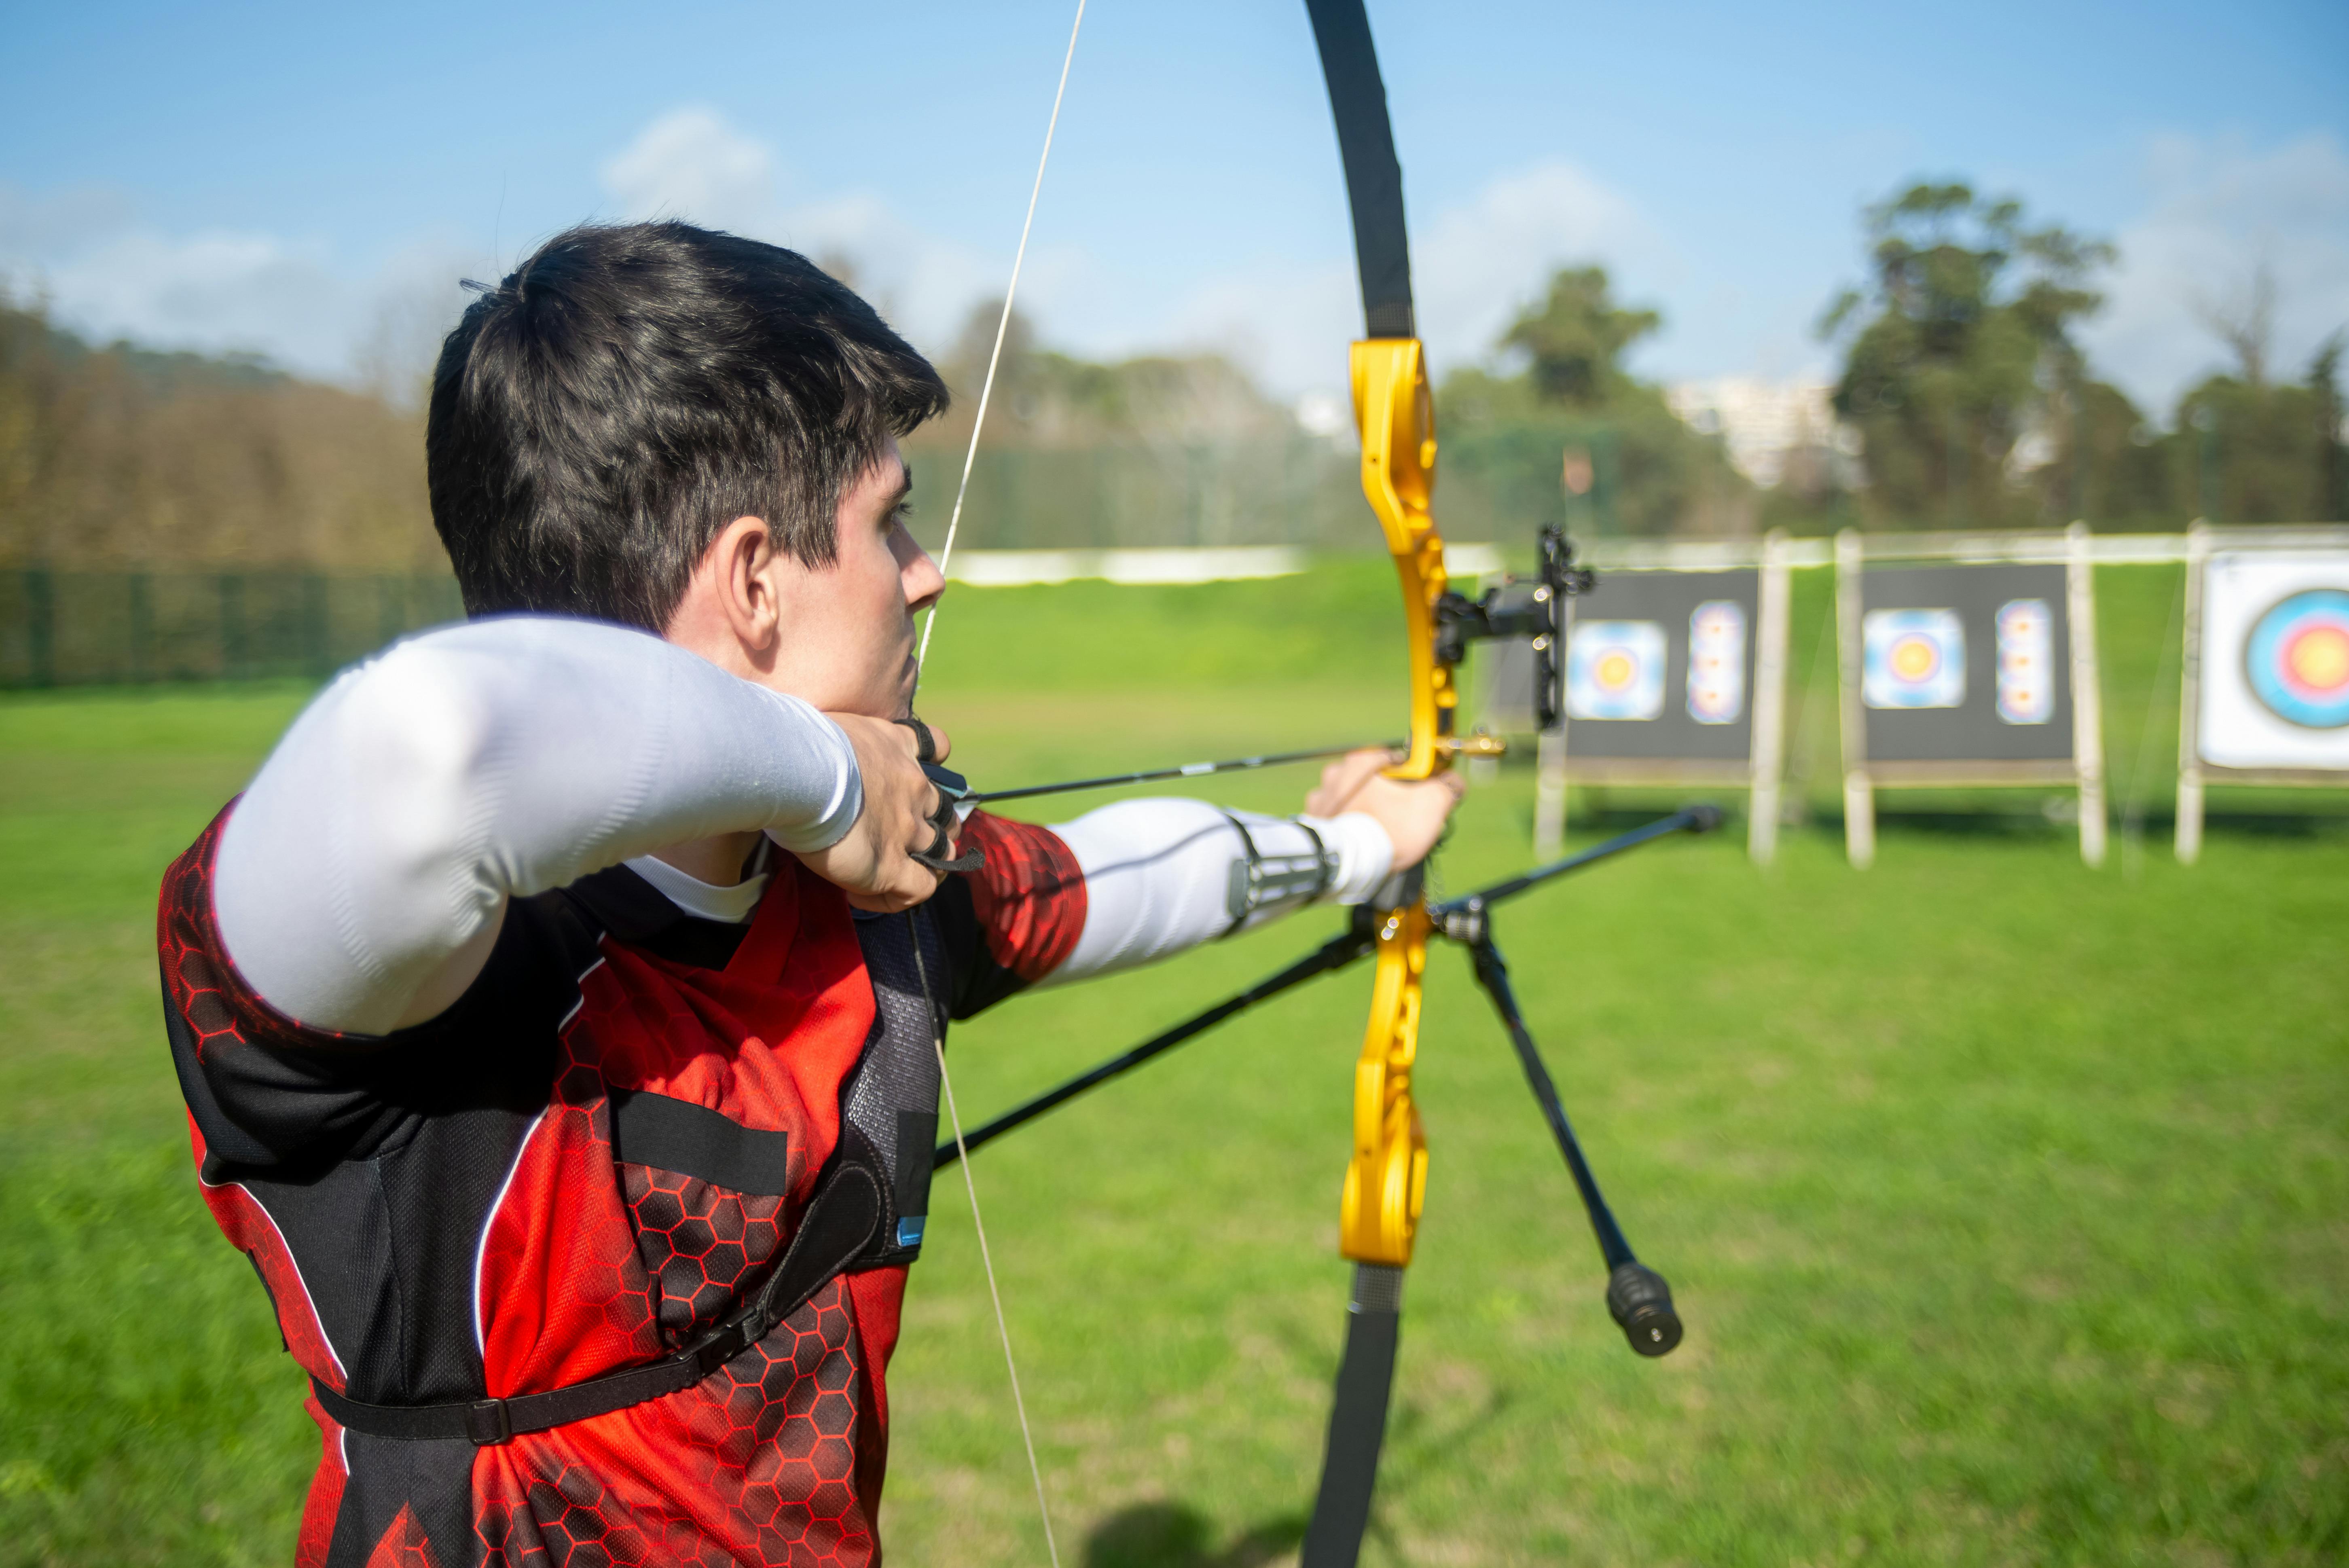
(1615, 668)
(2320, 658)
(1912, 658)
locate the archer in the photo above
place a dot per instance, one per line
(560, 1010)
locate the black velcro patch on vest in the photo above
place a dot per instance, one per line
(692, 1140)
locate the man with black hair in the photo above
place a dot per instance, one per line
(558, 1011)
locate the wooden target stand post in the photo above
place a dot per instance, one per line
(1966, 661)
(2263, 697)
(1675, 678)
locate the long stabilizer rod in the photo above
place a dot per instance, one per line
(1454, 918)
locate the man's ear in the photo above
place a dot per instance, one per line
(745, 559)
(731, 612)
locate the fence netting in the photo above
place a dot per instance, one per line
(81, 628)
(63, 625)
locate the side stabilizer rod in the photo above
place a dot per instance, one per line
(1698, 819)
(1637, 1296)
(1337, 953)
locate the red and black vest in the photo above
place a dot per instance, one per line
(585, 1164)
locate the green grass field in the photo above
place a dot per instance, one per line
(2007, 1202)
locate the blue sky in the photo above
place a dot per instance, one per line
(309, 181)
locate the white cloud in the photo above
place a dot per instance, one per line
(1479, 263)
(689, 163)
(2215, 212)
(1473, 266)
(37, 225)
(106, 272)
(1287, 324)
(110, 273)
(210, 289)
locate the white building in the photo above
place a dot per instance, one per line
(1762, 423)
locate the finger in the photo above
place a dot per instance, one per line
(922, 741)
(1319, 800)
(1340, 780)
(904, 739)
(907, 884)
(1344, 778)
(1364, 766)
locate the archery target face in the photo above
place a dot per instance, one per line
(1716, 672)
(1615, 669)
(1913, 658)
(2275, 660)
(2298, 659)
(2026, 662)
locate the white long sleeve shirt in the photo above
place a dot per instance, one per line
(458, 769)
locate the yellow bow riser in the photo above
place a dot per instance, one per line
(1397, 418)
(1386, 1181)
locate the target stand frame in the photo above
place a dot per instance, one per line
(2204, 540)
(2083, 771)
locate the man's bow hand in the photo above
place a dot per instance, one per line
(1413, 812)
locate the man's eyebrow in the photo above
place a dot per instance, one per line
(905, 483)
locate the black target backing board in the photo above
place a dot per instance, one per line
(1973, 729)
(1667, 600)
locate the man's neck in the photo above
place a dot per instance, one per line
(719, 859)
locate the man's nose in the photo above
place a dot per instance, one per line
(922, 581)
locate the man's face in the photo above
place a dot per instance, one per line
(847, 630)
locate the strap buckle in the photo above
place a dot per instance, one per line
(721, 1345)
(488, 1423)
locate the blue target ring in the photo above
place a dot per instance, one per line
(2297, 658)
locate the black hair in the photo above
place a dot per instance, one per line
(629, 390)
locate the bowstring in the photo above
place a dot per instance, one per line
(1003, 327)
(1002, 1328)
(921, 659)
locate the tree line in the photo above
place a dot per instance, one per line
(1965, 399)
(1976, 405)
(1964, 396)
(119, 456)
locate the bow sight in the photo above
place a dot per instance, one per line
(1533, 608)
